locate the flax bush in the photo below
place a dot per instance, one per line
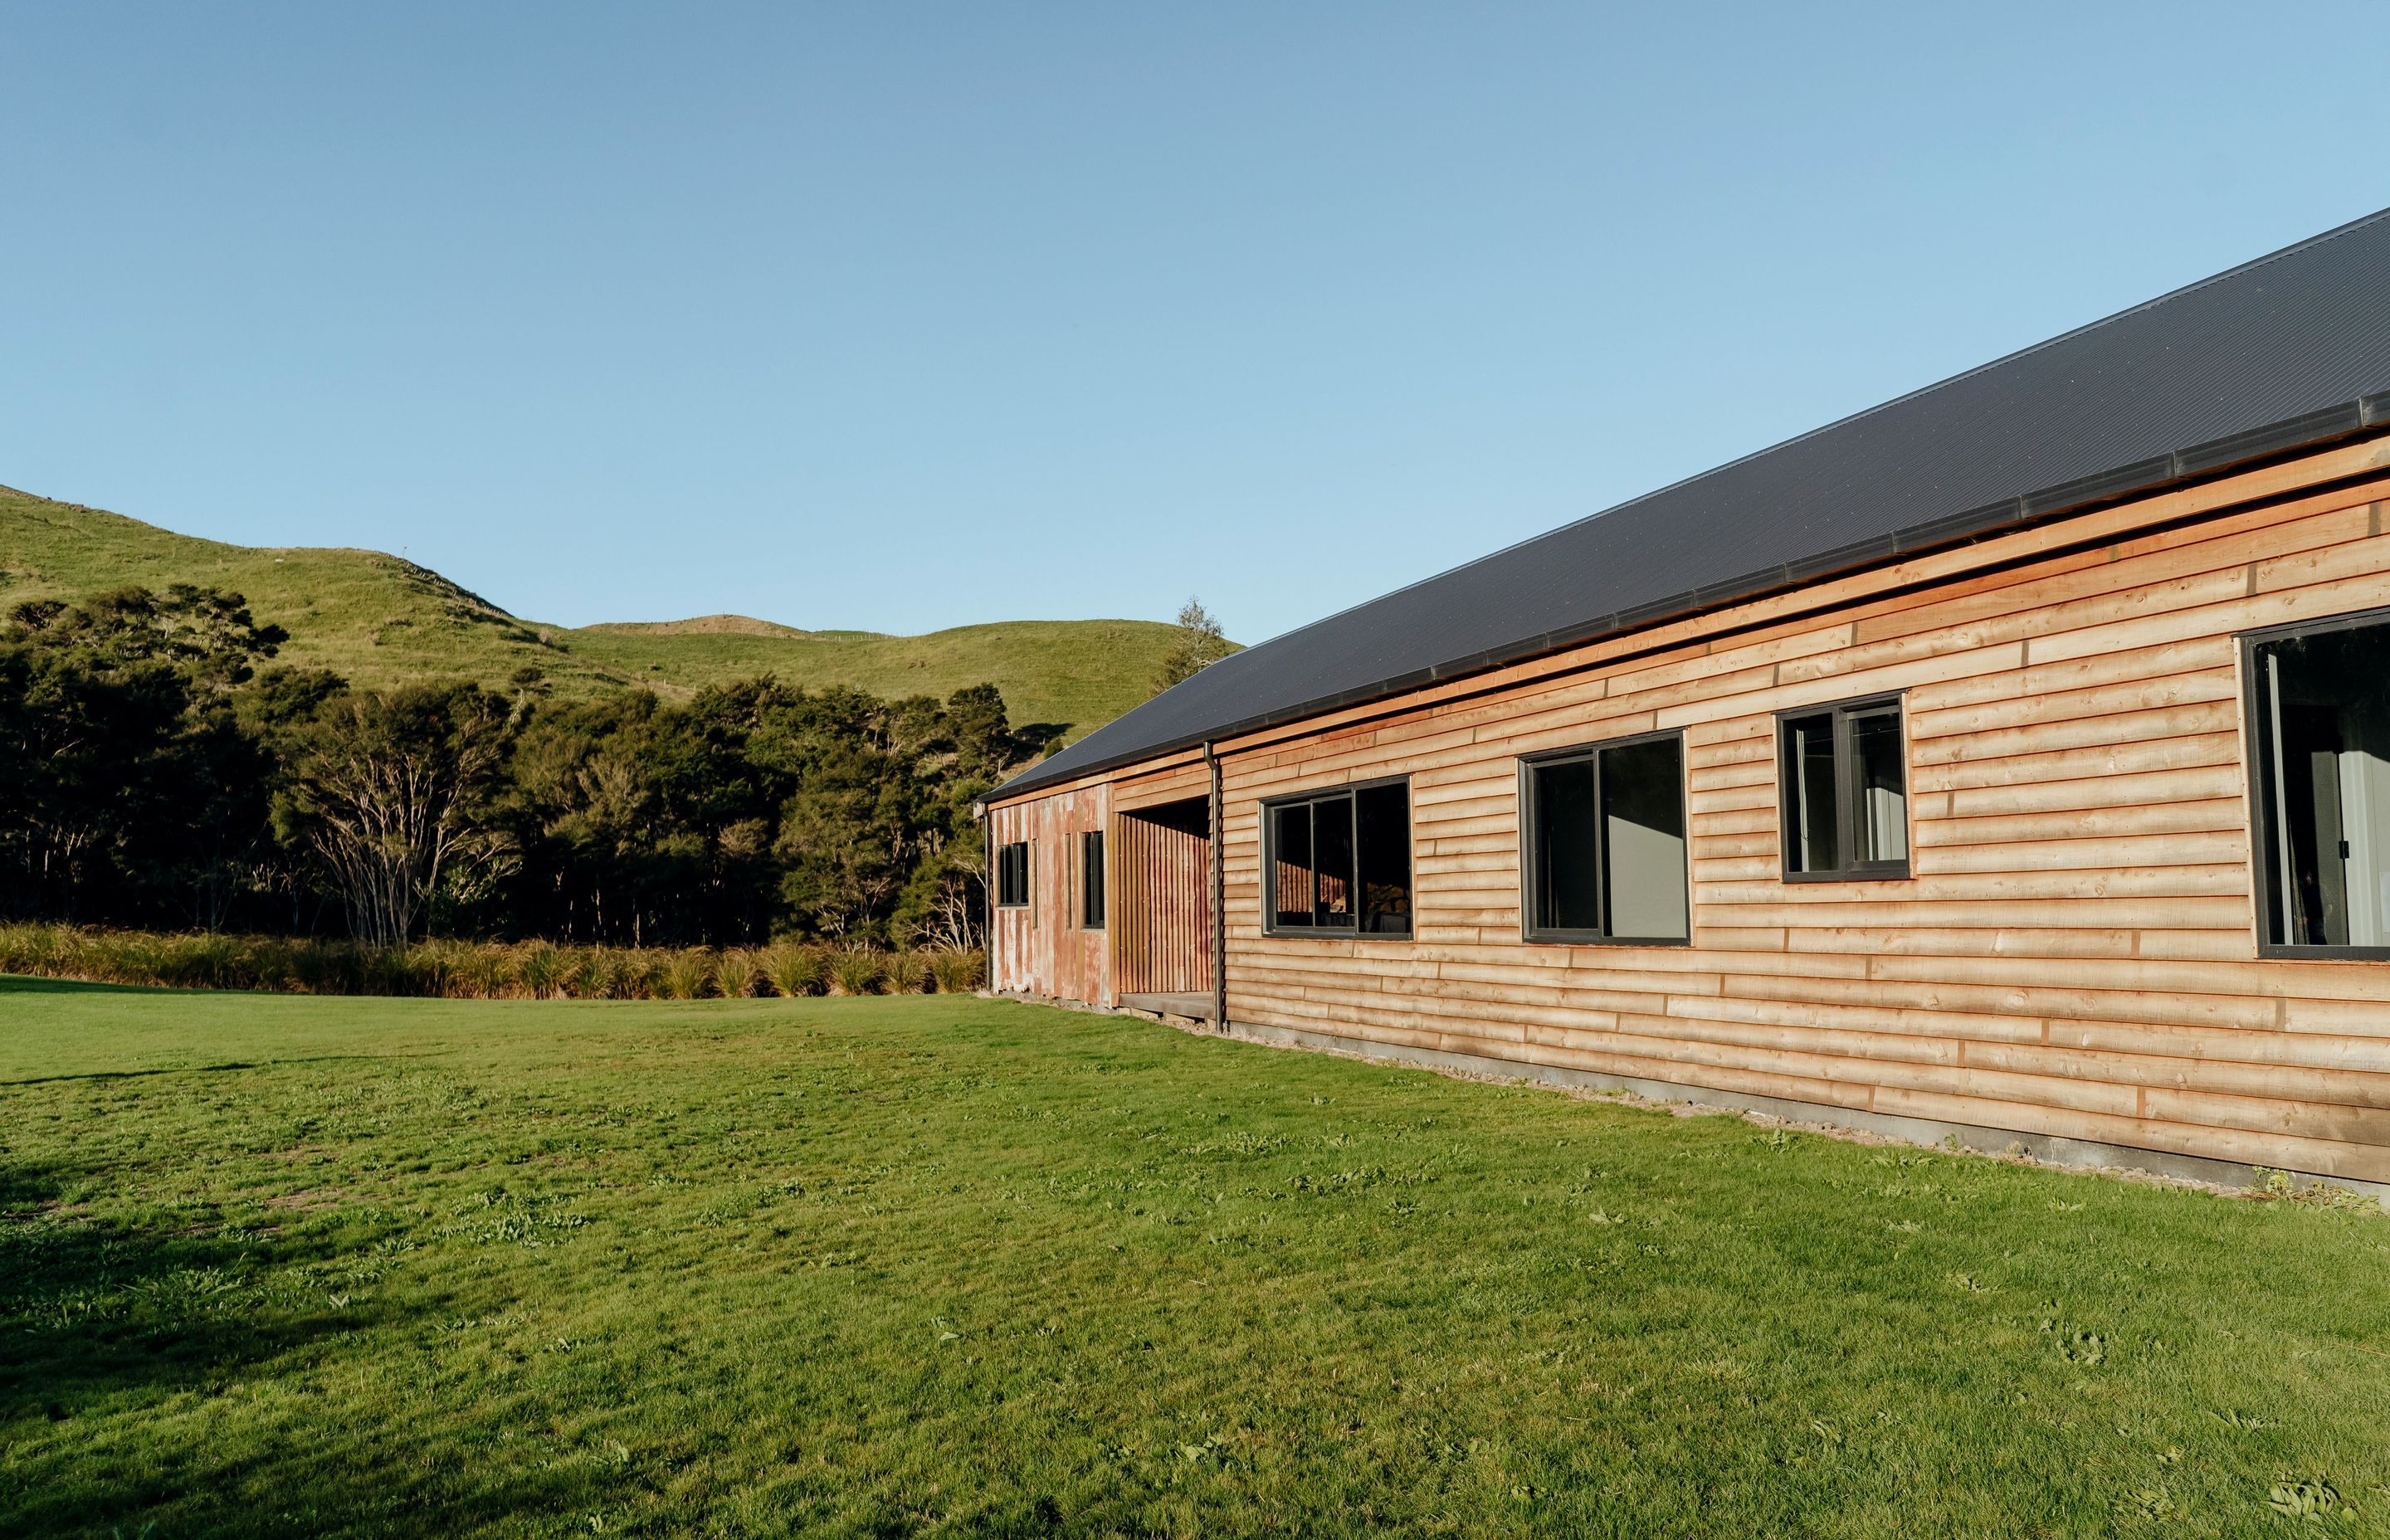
(474, 970)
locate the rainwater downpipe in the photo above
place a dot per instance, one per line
(981, 816)
(1219, 900)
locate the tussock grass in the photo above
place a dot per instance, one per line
(908, 973)
(736, 974)
(896, 1266)
(857, 971)
(958, 972)
(463, 970)
(794, 970)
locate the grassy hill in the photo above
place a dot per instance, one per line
(378, 619)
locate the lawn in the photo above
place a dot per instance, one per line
(282, 1265)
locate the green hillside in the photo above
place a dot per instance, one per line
(378, 619)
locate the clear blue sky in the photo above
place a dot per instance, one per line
(899, 316)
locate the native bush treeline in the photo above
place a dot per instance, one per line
(155, 773)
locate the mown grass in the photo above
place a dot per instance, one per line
(380, 621)
(283, 1265)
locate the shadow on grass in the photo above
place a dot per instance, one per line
(102, 1318)
(28, 984)
(214, 1068)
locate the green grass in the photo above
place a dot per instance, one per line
(378, 619)
(282, 1265)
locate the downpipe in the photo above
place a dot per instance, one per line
(1219, 899)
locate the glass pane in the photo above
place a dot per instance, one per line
(1331, 851)
(1643, 837)
(1291, 863)
(1881, 801)
(2324, 777)
(1385, 858)
(1568, 890)
(1091, 881)
(1809, 835)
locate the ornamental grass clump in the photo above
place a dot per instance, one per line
(484, 974)
(956, 973)
(856, 971)
(796, 970)
(578, 977)
(199, 962)
(478, 970)
(541, 967)
(619, 974)
(908, 973)
(685, 975)
(735, 974)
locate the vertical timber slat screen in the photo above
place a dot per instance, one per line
(1162, 910)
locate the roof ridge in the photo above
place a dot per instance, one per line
(2169, 296)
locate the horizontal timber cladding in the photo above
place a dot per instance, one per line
(1042, 948)
(2076, 951)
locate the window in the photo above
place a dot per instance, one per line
(1845, 790)
(1012, 875)
(2319, 756)
(1340, 862)
(1603, 842)
(1091, 879)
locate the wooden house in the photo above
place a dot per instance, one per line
(2010, 761)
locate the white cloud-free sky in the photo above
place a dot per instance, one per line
(904, 316)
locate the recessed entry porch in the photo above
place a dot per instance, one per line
(1162, 907)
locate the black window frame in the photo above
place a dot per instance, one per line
(1003, 875)
(2263, 835)
(1090, 909)
(1531, 872)
(1846, 823)
(1350, 791)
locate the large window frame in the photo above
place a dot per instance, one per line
(1534, 878)
(2266, 834)
(1013, 889)
(1091, 907)
(1349, 793)
(1847, 868)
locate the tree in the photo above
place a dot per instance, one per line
(392, 793)
(1197, 647)
(131, 789)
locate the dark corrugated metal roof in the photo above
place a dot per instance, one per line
(2290, 350)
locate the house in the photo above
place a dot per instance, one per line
(2010, 761)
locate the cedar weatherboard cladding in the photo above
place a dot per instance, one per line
(2288, 351)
